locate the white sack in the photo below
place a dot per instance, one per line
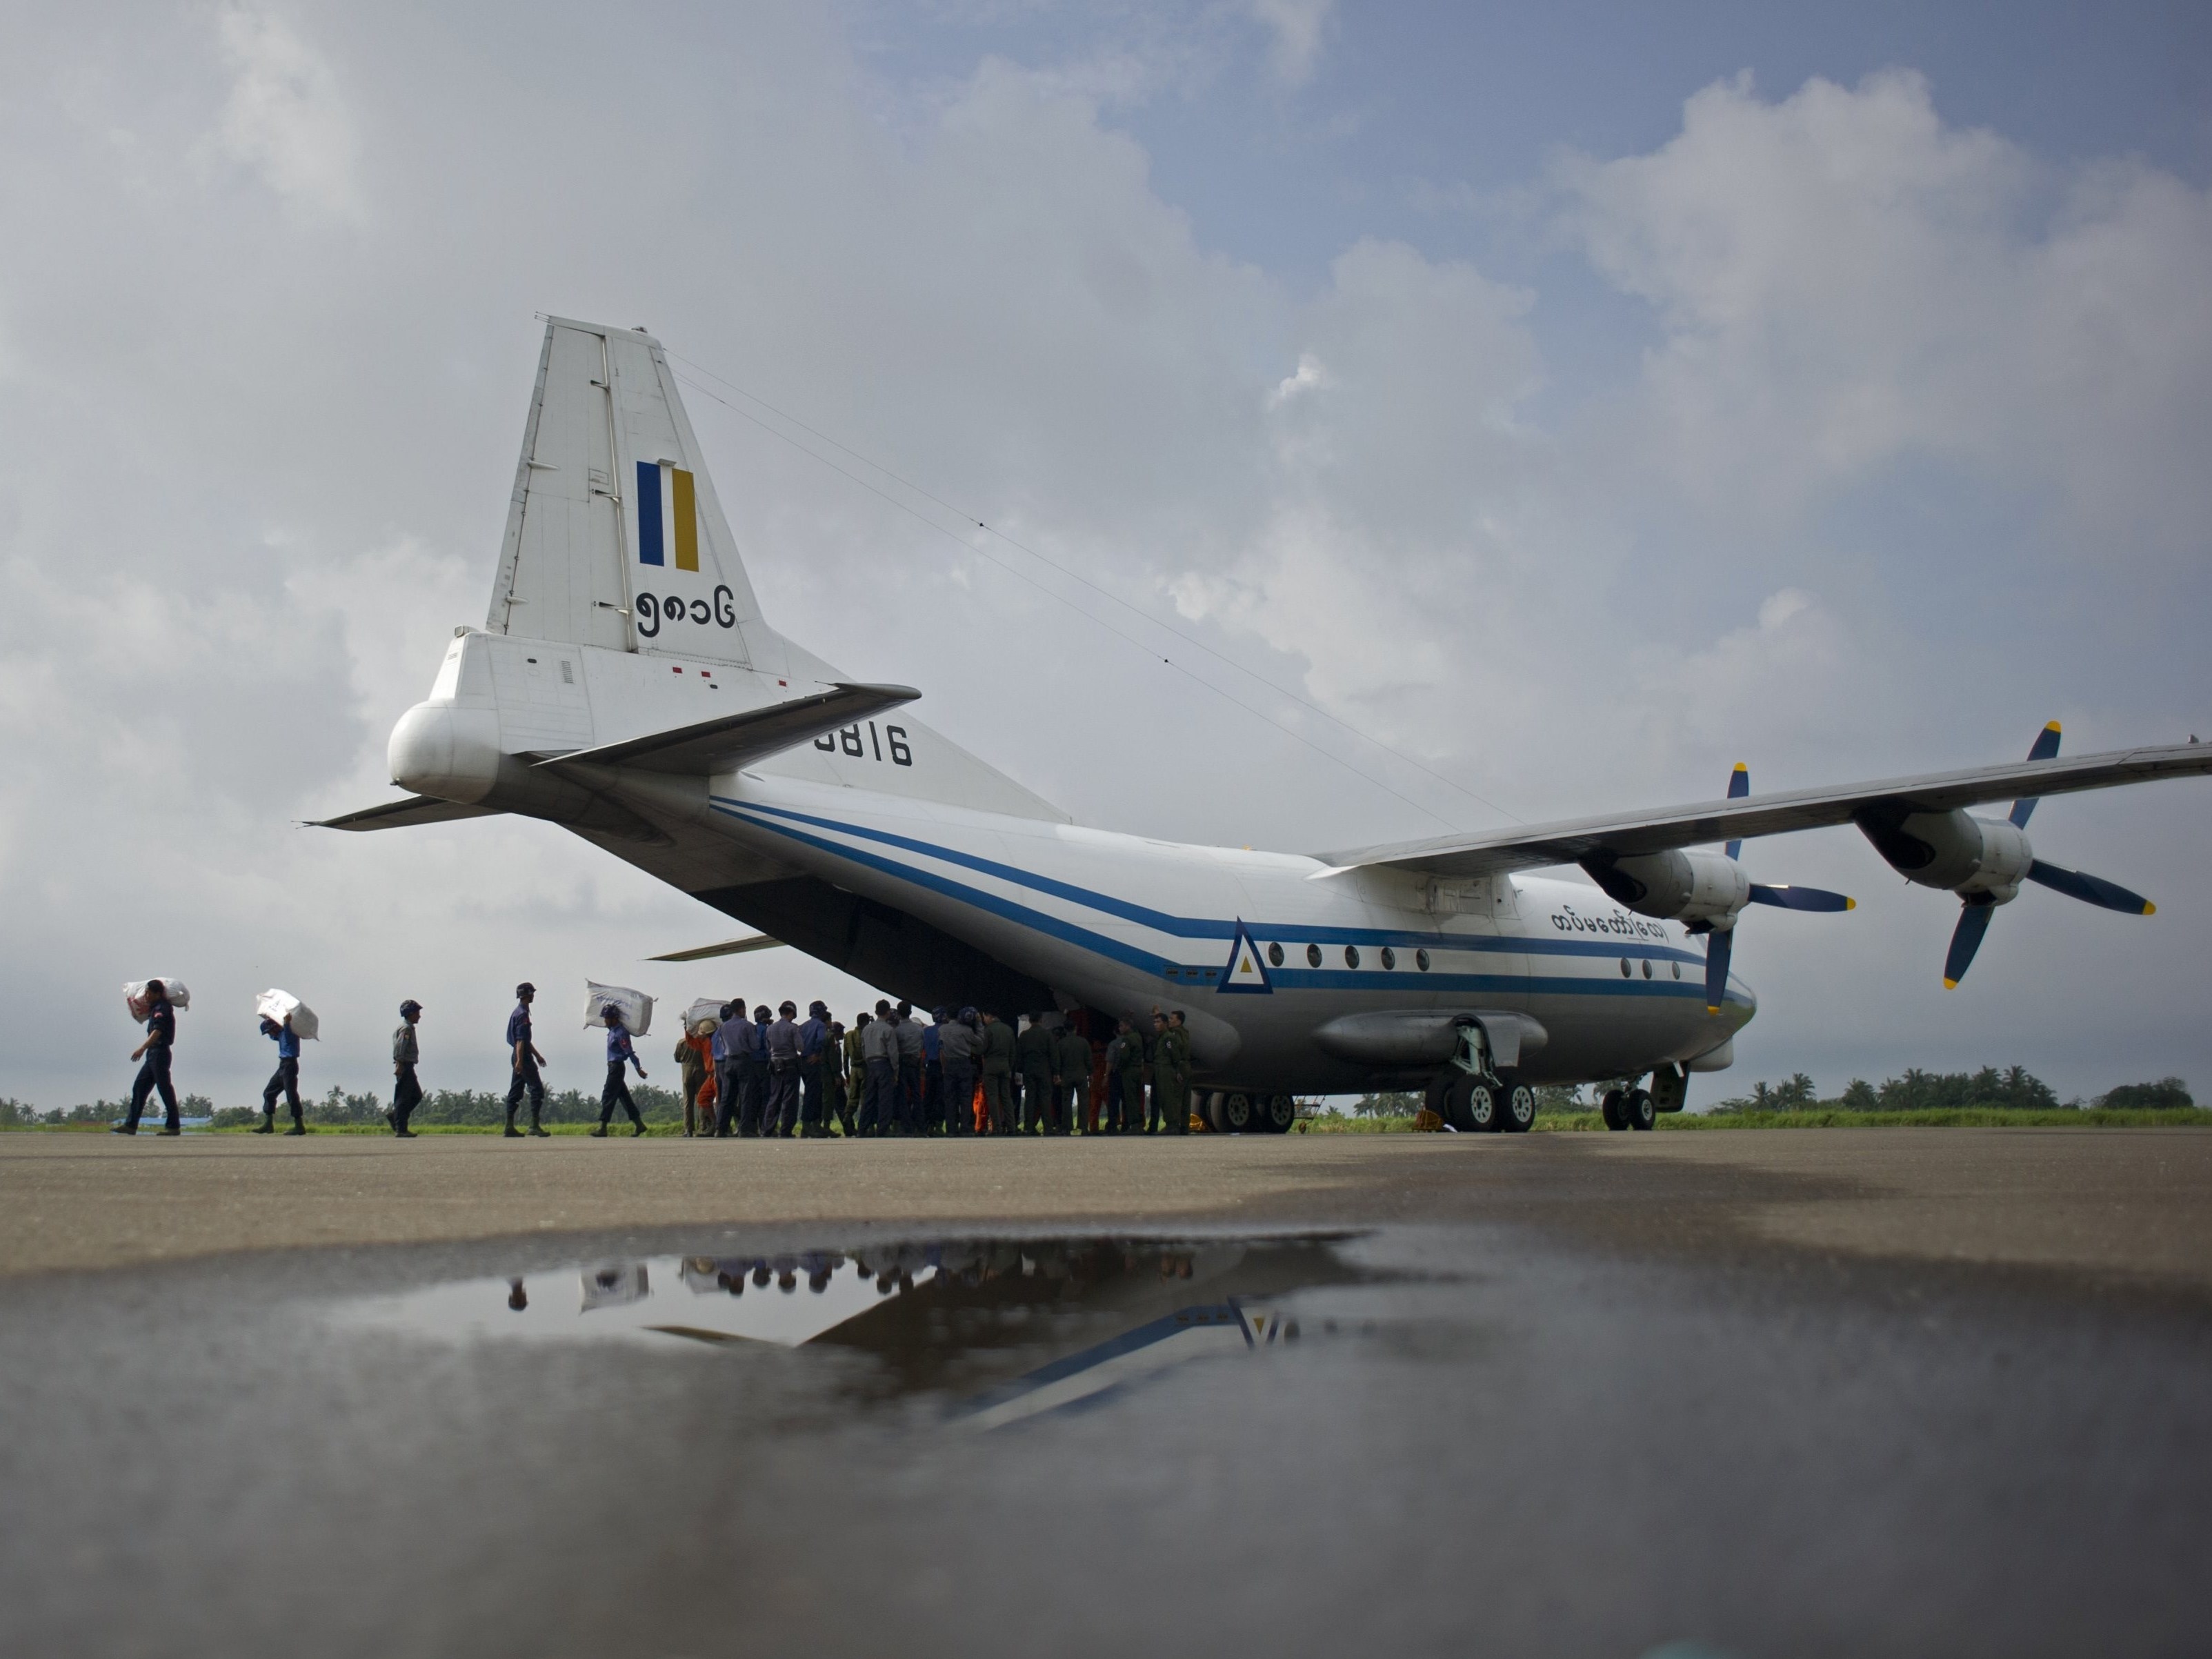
(636, 1006)
(273, 1004)
(134, 994)
(707, 1011)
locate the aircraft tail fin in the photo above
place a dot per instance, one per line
(615, 537)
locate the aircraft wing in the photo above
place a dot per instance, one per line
(731, 740)
(1628, 834)
(402, 814)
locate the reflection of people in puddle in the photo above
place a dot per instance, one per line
(517, 1297)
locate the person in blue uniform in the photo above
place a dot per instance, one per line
(781, 1121)
(754, 1120)
(725, 1070)
(153, 1055)
(285, 1081)
(815, 1045)
(620, 1052)
(524, 1059)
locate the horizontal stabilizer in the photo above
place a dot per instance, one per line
(729, 947)
(1635, 833)
(733, 740)
(404, 814)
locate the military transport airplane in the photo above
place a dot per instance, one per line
(626, 687)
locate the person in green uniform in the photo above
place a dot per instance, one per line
(998, 1069)
(1171, 1076)
(1035, 1050)
(1125, 1059)
(1071, 1063)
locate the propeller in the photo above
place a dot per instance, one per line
(1720, 942)
(1974, 911)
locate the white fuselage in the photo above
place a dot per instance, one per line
(1127, 924)
(1120, 923)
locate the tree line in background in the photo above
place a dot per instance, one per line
(2014, 1088)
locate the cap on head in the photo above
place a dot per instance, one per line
(760, 1014)
(409, 1008)
(787, 1008)
(731, 1010)
(967, 1014)
(526, 989)
(818, 1008)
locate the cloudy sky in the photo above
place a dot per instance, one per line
(1574, 400)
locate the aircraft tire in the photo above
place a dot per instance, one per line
(1516, 1109)
(1639, 1111)
(1238, 1116)
(1212, 1112)
(1609, 1109)
(1485, 1108)
(1453, 1108)
(1278, 1113)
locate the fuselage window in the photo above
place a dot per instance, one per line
(1389, 958)
(1274, 956)
(1624, 968)
(1352, 956)
(1677, 971)
(1421, 960)
(1313, 956)
(1647, 967)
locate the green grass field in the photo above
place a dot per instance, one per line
(1962, 1118)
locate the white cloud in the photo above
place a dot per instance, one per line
(284, 117)
(1297, 26)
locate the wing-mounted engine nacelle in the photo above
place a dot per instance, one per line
(1968, 855)
(1696, 885)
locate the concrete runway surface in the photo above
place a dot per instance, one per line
(1792, 1392)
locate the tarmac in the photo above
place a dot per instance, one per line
(1725, 1393)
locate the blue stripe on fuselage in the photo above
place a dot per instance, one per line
(1201, 927)
(1148, 962)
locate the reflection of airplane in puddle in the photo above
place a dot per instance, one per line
(1014, 1326)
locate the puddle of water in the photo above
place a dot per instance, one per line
(1005, 1329)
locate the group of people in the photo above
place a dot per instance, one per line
(767, 1074)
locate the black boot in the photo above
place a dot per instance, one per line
(599, 1134)
(512, 1132)
(636, 1129)
(534, 1129)
(268, 1124)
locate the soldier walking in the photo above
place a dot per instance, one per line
(155, 1055)
(285, 1081)
(616, 1091)
(525, 1059)
(406, 1051)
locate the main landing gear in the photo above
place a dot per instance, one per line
(1232, 1113)
(1628, 1109)
(1482, 1102)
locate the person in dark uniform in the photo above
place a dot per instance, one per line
(725, 1069)
(1034, 1049)
(958, 1045)
(620, 1051)
(1124, 1061)
(1071, 1061)
(153, 1055)
(836, 1077)
(739, 1116)
(907, 1029)
(1156, 1120)
(285, 1081)
(932, 1072)
(1171, 1076)
(814, 1065)
(406, 1053)
(783, 1056)
(879, 1049)
(756, 1120)
(998, 1075)
(524, 1058)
